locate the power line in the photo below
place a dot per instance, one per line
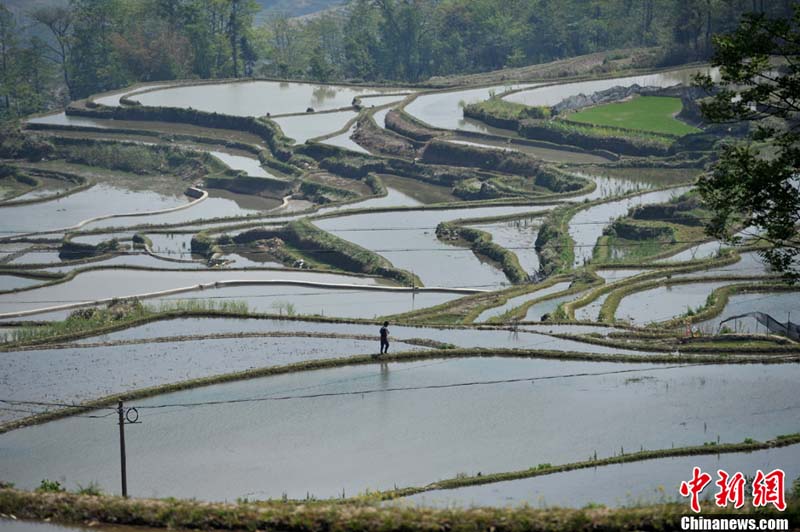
(698, 280)
(407, 388)
(472, 222)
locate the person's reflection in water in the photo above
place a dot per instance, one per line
(384, 375)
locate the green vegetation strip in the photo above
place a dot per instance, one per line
(596, 137)
(733, 345)
(746, 446)
(655, 114)
(501, 113)
(333, 517)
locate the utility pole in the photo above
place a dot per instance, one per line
(121, 414)
(126, 416)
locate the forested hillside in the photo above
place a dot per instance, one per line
(82, 47)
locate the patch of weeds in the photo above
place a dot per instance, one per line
(50, 486)
(93, 488)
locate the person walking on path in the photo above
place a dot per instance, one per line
(385, 337)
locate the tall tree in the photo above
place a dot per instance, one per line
(92, 61)
(58, 19)
(8, 50)
(240, 22)
(755, 184)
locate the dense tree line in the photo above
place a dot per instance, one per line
(98, 45)
(410, 40)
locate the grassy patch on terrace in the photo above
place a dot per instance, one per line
(505, 110)
(570, 127)
(645, 113)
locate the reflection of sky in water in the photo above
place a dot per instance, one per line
(414, 246)
(515, 302)
(782, 306)
(304, 127)
(99, 284)
(257, 98)
(645, 482)
(408, 438)
(443, 109)
(665, 302)
(587, 226)
(100, 200)
(555, 93)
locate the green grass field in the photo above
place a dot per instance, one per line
(645, 113)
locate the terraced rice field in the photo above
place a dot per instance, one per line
(233, 296)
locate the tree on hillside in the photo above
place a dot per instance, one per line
(24, 73)
(8, 46)
(240, 22)
(92, 62)
(756, 183)
(58, 19)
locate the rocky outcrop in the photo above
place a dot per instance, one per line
(614, 94)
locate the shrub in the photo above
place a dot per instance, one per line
(53, 486)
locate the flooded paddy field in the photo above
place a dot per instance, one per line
(631, 484)
(103, 284)
(77, 374)
(515, 302)
(553, 94)
(782, 306)
(257, 98)
(380, 117)
(249, 165)
(614, 275)
(100, 200)
(141, 260)
(539, 311)
(48, 190)
(325, 302)
(587, 226)
(219, 204)
(312, 125)
(416, 247)
(13, 282)
(527, 338)
(591, 312)
(113, 99)
(665, 302)
(443, 109)
(518, 236)
(700, 251)
(750, 264)
(343, 140)
(18, 525)
(403, 438)
(440, 411)
(38, 256)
